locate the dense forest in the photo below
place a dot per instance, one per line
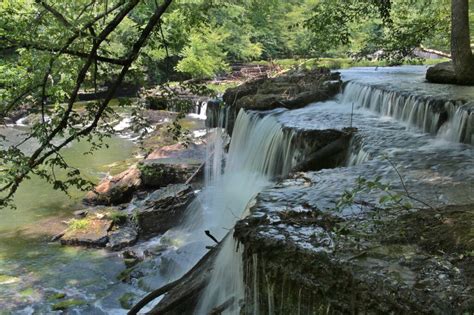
(204, 145)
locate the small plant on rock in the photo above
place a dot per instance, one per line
(78, 224)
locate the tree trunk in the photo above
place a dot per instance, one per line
(460, 42)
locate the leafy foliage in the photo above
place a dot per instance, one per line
(53, 52)
(363, 185)
(389, 30)
(203, 57)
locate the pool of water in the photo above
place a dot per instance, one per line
(32, 269)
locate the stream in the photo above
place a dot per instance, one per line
(31, 268)
(399, 117)
(381, 103)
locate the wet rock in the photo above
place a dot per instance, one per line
(122, 237)
(6, 279)
(130, 273)
(130, 258)
(367, 260)
(80, 213)
(58, 236)
(116, 189)
(291, 90)
(56, 296)
(213, 111)
(178, 150)
(64, 305)
(442, 73)
(127, 300)
(157, 173)
(93, 233)
(163, 209)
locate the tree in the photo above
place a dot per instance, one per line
(396, 28)
(461, 52)
(55, 46)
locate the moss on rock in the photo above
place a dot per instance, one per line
(127, 300)
(64, 305)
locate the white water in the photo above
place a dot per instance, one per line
(416, 111)
(259, 151)
(460, 125)
(200, 109)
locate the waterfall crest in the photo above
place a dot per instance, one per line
(451, 121)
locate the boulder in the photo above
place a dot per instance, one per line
(122, 237)
(116, 189)
(163, 209)
(441, 73)
(161, 172)
(94, 233)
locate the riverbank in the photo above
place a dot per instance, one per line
(38, 275)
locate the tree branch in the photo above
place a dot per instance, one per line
(55, 13)
(39, 156)
(66, 51)
(35, 158)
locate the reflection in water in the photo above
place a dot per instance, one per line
(31, 269)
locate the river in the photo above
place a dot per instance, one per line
(32, 269)
(390, 122)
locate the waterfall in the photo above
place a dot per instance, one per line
(357, 154)
(450, 121)
(460, 125)
(259, 151)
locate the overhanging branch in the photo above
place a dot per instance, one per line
(66, 51)
(41, 154)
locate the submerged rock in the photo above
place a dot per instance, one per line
(116, 189)
(178, 150)
(127, 300)
(64, 305)
(163, 209)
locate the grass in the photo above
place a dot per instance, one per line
(118, 217)
(79, 224)
(221, 87)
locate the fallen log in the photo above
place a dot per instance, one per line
(219, 309)
(182, 295)
(436, 52)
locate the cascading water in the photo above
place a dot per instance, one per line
(263, 147)
(450, 121)
(460, 125)
(259, 151)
